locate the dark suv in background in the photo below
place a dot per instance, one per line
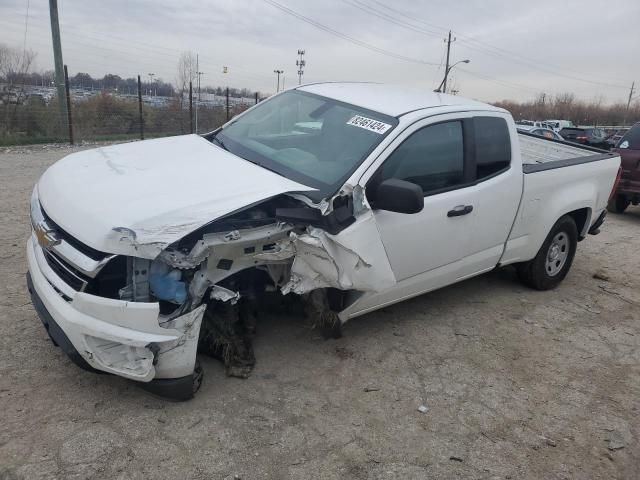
(627, 189)
(592, 136)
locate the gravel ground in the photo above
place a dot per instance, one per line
(518, 383)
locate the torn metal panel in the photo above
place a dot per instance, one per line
(243, 248)
(224, 294)
(177, 358)
(225, 256)
(354, 259)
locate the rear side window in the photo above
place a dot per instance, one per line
(432, 158)
(632, 138)
(493, 146)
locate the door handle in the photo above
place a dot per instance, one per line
(460, 210)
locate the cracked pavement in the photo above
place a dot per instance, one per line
(518, 383)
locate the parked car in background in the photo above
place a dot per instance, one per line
(528, 123)
(540, 132)
(592, 136)
(613, 139)
(627, 190)
(558, 125)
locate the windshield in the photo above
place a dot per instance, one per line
(311, 139)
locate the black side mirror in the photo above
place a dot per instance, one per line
(399, 196)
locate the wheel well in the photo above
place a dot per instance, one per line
(581, 217)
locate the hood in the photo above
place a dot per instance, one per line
(137, 198)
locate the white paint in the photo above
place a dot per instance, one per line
(113, 335)
(152, 192)
(391, 99)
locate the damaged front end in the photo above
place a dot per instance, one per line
(146, 318)
(282, 245)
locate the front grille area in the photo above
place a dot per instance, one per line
(67, 273)
(74, 242)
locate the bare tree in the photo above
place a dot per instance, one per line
(15, 64)
(186, 72)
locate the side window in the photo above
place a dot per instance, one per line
(631, 139)
(493, 146)
(432, 158)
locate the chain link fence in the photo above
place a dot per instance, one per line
(29, 117)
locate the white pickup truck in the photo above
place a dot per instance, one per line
(348, 196)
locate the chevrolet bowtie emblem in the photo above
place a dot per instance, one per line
(46, 238)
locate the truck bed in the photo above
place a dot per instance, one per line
(540, 153)
(535, 149)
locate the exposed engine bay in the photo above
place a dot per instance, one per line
(281, 246)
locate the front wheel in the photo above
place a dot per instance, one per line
(554, 259)
(618, 204)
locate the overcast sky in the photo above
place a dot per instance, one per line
(517, 49)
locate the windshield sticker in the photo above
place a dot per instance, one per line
(369, 124)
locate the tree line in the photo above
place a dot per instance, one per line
(566, 107)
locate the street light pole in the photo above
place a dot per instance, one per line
(626, 112)
(278, 72)
(442, 88)
(151, 75)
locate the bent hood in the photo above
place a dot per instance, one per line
(137, 198)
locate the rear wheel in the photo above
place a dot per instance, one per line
(618, 204)
(554, 259)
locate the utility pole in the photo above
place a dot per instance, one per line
(626, 112)
(227, 93)
(198, 73)
(140, 109)
(225, 71)
(300, 64)
(190, 107)
(69, 121)
(57, 57)
(278, 72)
(446, 71)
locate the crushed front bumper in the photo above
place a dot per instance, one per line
(114, 336)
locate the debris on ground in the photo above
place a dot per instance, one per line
(615, 444)
(456, 459)
(371, 389)
(601, 275)
(226, 335)
(423, 409)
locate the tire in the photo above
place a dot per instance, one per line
(618, 204)
(554, 259)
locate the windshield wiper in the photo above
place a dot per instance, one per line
(219, 142)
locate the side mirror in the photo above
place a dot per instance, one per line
(399, 196)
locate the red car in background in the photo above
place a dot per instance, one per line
(627, 190)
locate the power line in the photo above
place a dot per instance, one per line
(377, 13)
(345, 36)
(488, 48)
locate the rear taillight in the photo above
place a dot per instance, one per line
(581, 138)
(615, 184)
